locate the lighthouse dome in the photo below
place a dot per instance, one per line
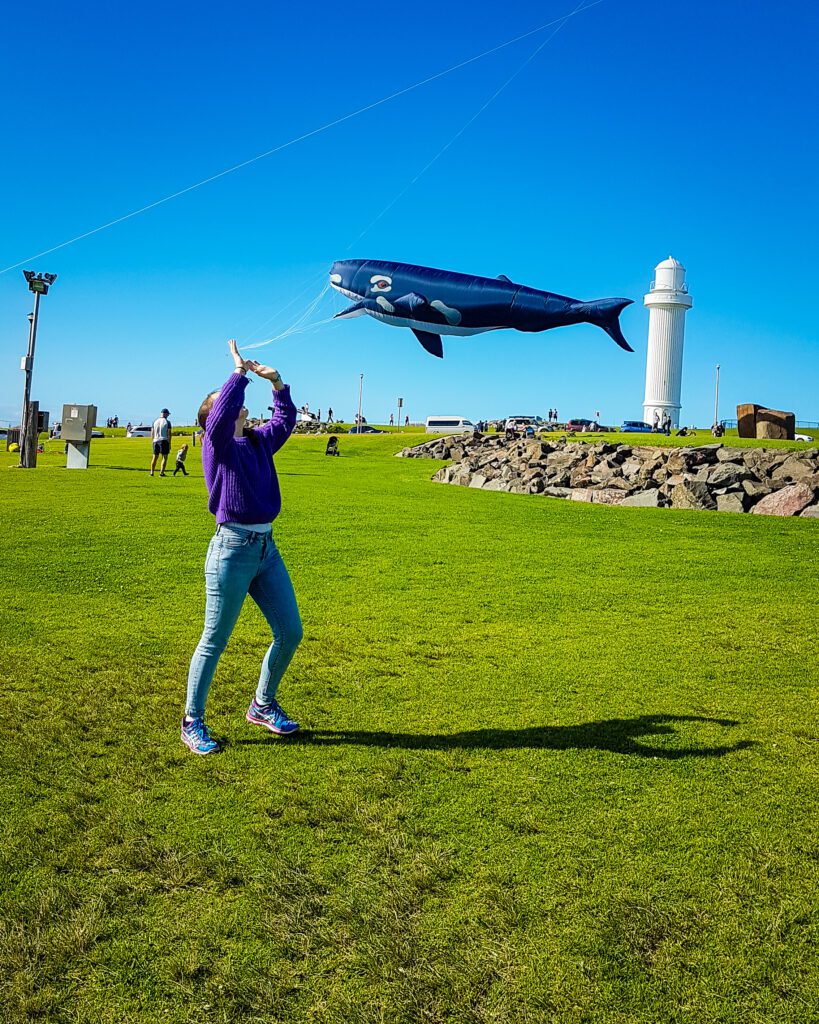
(669, 275)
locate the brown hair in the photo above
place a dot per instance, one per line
(204, 410)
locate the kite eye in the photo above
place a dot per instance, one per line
(380, 283)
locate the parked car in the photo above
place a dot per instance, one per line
(97, 433)
(366, 429)
(526, 421)
(449, 425)
(141, 431)
(579, 425)
(636, 427)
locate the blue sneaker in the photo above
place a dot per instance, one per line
(272, 717)
(196, 737)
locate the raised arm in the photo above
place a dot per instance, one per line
(221, 421)
(280, 427)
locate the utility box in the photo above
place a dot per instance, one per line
(42, 422)
(77, 423)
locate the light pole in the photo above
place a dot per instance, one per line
(400, 406)
(39, 284)
(360, 393)
(716, 399)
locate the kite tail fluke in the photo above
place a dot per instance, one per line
(605, 313)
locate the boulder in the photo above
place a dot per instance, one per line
(774, 423)
(581, 477)
(495, 485)
(642, 499)
(727, 474)
(606, 496)
(680, 461)
(556, 492)
(811, 512)
(730, 454)
(477, 481)
(668, 485)
(756, 489)
(631, 468)
(692, 494)
(789, 501)
(732, 502)
(796, 469)
(756, 459)
(605, 471)
(581, 494)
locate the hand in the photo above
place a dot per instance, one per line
(266, 373)
(239, 363)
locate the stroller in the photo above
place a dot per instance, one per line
(332, 445)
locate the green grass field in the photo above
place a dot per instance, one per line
(560, 762)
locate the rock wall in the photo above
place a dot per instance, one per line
(712, 477)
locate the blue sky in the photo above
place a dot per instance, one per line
(638, 131)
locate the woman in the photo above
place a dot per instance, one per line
(242, 557)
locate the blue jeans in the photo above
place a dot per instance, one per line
(237, 564)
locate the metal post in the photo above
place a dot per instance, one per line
(360, 392)
(716, 399)
(28, 452)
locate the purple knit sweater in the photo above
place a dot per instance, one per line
(239, 471)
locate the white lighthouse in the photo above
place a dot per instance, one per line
(668, 301)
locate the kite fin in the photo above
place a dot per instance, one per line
(357, 309)
(431, 342)
(410, 303)
(503, 277)
(605, 313)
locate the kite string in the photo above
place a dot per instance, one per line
(562, 21)
(300, 138)
(313, 282)
(301, 324)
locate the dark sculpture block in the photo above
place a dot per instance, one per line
(746, 420)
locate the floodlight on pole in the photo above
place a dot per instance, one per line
(39, 285)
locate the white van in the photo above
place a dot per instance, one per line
(449, 425)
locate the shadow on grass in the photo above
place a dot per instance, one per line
(616, 735)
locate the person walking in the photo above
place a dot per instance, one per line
(181, 455)
(330, 415)
(392, 420)
(161, 441)
(242, 559)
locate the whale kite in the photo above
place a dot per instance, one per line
(435, 302)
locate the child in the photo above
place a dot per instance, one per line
(180, 460)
